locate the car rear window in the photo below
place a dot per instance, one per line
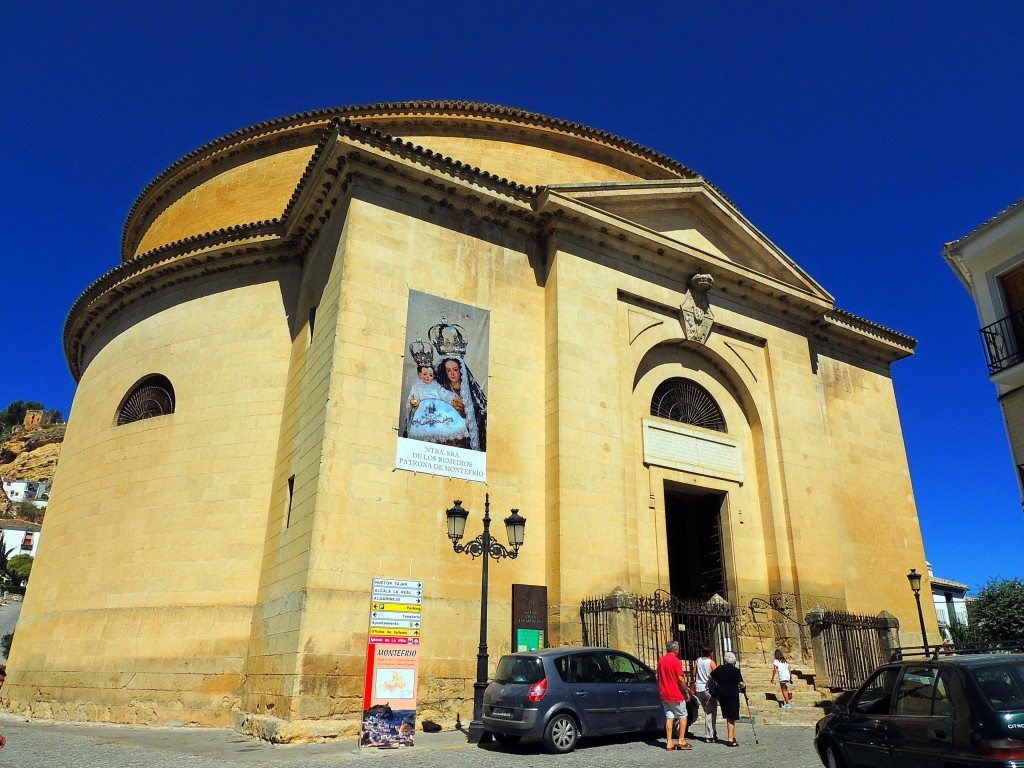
(1003, 685)
(519, 669)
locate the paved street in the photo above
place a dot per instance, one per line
(49, 745)
(9, 618)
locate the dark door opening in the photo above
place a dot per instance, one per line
(693, 525)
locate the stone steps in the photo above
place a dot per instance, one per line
(808, 704)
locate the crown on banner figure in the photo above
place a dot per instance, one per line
(448, 338)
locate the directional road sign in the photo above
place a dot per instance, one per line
(394, 623)
(400, 607)
(400, 583)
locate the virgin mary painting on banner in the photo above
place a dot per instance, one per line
(443, 420)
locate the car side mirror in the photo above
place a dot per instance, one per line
(840, 708)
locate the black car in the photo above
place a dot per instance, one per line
(961, 709)
(561, 694)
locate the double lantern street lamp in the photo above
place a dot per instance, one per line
(483, 545)
(915, 584)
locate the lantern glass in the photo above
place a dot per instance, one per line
(915, 580)
(457, 521)
(515, 527)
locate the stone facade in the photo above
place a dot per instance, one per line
(213, 565)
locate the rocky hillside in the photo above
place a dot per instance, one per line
(30, 455)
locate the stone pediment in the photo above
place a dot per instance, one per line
(694, 213)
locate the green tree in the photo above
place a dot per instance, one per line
(19, 567)
(5, 644)
(14, 413)
(998, 610)
(26, 510)
(56, 417)
(5, 553)
(966, 635)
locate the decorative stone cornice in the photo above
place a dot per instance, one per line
(309, 124)
(159, 269)
(888, 345)
(345, 154)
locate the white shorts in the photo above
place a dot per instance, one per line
(674, 709)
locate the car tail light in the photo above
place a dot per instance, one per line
(1002, 749)
(537, 690)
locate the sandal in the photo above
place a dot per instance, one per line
(686, 745)
(732, 743)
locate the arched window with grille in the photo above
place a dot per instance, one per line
(687, 402)
(152, 396)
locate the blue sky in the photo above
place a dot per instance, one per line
(858, 137)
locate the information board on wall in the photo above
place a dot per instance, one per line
(392, 664)
(529, 617)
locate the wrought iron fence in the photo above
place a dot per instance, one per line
(852, 645)
(595, 617)
(845, 647)
(661, 617)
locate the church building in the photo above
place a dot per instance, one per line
(328, 329)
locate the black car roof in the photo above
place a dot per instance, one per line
(562, 650)
(969, 661)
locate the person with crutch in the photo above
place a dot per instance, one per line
(728, 683)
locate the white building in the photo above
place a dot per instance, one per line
(20, 538)
(990, 263)
(950, 602)
(27, 490)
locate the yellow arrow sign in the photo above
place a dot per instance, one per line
(399, 607)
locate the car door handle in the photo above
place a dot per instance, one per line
(581, 693)
(623, 692)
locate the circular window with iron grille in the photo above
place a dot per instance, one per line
(687, 402)
(153, 396)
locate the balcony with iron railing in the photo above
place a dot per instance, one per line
(1003, 342)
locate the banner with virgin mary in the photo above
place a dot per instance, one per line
(442, 426)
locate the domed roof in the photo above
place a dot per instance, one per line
(249, 175)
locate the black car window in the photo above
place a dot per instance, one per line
(519, 669)
(585, 668)
(922, 693)
(1003, 685)
(562, 668)
(626, 669)
(876, 695)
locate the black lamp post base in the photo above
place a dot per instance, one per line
(478, 734)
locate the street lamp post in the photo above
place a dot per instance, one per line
(483, 545)
(915, 584)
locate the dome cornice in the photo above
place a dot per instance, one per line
(346, 155)
(310, 124)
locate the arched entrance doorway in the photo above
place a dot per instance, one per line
(693, 529)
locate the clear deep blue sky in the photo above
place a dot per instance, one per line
(858, 140)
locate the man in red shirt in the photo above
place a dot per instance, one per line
(673, 690)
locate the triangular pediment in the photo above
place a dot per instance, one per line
(695, 214)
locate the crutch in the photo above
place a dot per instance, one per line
(747, 699)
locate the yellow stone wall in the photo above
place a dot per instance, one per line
(217, 562)
(142, 593)
(355, 516)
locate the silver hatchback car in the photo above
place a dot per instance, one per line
(561, 694)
